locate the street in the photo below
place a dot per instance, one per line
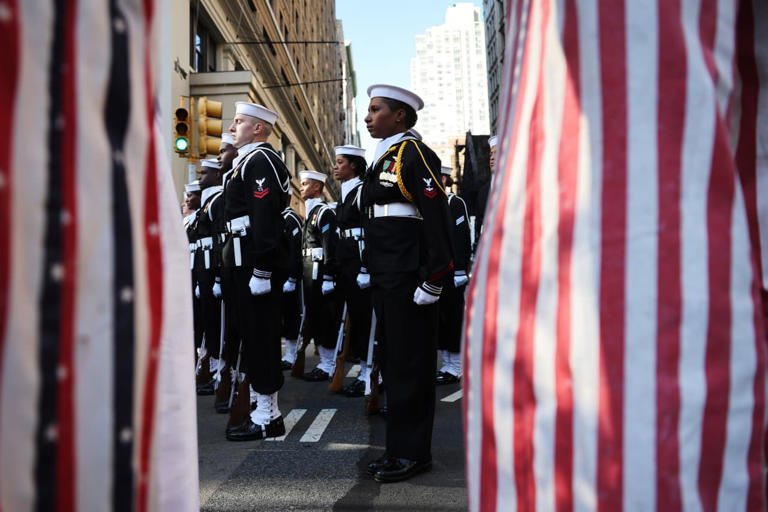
(320, 465)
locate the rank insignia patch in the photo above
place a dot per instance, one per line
(429, 190)
(261, 192)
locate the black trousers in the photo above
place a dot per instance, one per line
(451, 317)
(210, 311)
(291, 314)
(231, 320)
(197, 315)
(407, 344)
(259, 325)
(323, 312)
(358, 308)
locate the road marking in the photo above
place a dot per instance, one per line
(290, 421)
(316, 429)
(453, 397)
(354, 371)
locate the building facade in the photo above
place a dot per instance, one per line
(449, 73)
(495, 14)
(349, 113)
(283, 54)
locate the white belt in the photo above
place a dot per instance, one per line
(395, 210)
(316, 253)
(238, 228)
(192, 247)
(206, 243)
(239, 225)
(352, 233)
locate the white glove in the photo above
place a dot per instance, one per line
(460, 278)
(197, 291)
(363, 279)
(427, 294)
(217, 288)
(260, 282)
(328, 285)
(290, 285)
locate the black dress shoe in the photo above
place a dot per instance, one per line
(377, 464)
(250, 431)
(445, 378)
(396, 470)
(354, 389)
(316, 375)
(232, 428)
(285, 365)
(206, 389)
(222, 407)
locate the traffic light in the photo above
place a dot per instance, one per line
(181, 130)
(208, 126)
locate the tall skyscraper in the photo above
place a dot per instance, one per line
(449, 73)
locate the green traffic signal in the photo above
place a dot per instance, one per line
(181, 144)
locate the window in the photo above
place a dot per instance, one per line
(203, 58)
(269, 41)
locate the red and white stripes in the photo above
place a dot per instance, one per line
(615, 348)
(99, 234)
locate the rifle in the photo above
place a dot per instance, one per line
(236, 376)
(372, 382)
(301, 344)
(202, 368)
(220, 364)
(223, 374)
(241, 409)
(342, 345)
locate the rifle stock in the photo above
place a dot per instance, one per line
(241, 409)
(342, 344)
(372, 386)
(372, 400)
(298, 365)
(301, 344)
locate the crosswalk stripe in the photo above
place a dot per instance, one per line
(290, 421)
(453, 396)
(316, 429)
(354, 371)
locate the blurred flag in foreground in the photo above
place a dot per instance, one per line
(615, 345)
(97, 406)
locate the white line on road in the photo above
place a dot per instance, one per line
(316, 429)
(290, 421)
(453, 397)
(354, 371)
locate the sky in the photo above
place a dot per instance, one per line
(383, 42)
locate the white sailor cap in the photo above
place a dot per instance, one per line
(211, 162)
(193, 186)
(313, 175)
(396, 93)
(444, 169)
(414, 133)
(492, 141)
(226, 138)
(349, 150)
(254, 110)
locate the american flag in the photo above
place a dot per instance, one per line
(97, 406)
(615, 344)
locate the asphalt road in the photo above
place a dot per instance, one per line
(320, 465)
